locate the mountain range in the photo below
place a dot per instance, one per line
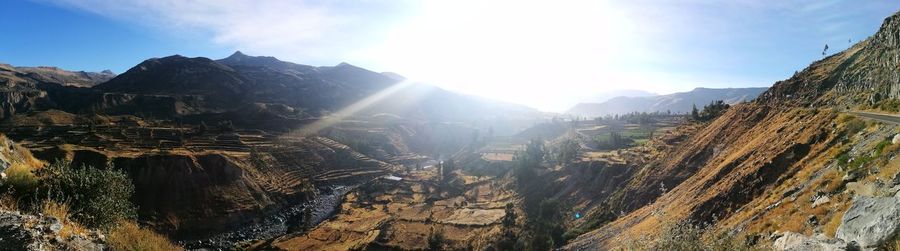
(681, 102)
(201, 89)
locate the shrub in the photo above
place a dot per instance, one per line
(98, 197)
(854, 126)
(129, 236)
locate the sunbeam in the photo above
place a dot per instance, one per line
(350, 110)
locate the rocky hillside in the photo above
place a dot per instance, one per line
(681, 102)
(777, 171)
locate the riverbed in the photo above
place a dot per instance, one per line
(278, 224)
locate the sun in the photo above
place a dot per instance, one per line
(543, 54)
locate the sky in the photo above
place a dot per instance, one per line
(548, 55)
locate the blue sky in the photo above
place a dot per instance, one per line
(545, 54)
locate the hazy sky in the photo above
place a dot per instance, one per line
(545, 54)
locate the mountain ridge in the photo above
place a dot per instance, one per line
(680, 102)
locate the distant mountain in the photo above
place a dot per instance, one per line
(607, 95)
(63, 77)
(681, 102)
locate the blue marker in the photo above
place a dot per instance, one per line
(577, 216)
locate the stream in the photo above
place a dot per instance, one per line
(286, 221)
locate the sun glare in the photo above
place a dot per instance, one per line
(511, 50)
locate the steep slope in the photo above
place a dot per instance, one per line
(681, 102)
(765, 166)
(19, 92)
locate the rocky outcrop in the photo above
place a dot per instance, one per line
(865, 73)
(29, 232)
(870, 221)
(867, 225)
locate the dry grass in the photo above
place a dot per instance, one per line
(128, 236)
(893, 245)
(8, 202)
(20, 179)
(685, 236)
(61, 212)
(831, 182)
(831, 226)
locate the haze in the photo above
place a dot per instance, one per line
(547, 55)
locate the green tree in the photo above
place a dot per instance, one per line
(568, 151)
(436, 240)
(447, 169)
(695, 114)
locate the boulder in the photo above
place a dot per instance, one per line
(870, 221)
(896, 139)
(790, 241)
(820, 201)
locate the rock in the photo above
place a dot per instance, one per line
(896, 139)
(29, 232)
(812, 220)
(820, 200)
(870, 221)
(15, 236)
(896, 180)
(797, 242)
(54, 225)
(849, 177)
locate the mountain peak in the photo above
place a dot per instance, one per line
(888, 33)
(238, 54)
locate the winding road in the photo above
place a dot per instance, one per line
(881, 117)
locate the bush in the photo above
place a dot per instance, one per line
(890, 105)
(129, 236)
(98, 197)
(879, 149)
(854, 126)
